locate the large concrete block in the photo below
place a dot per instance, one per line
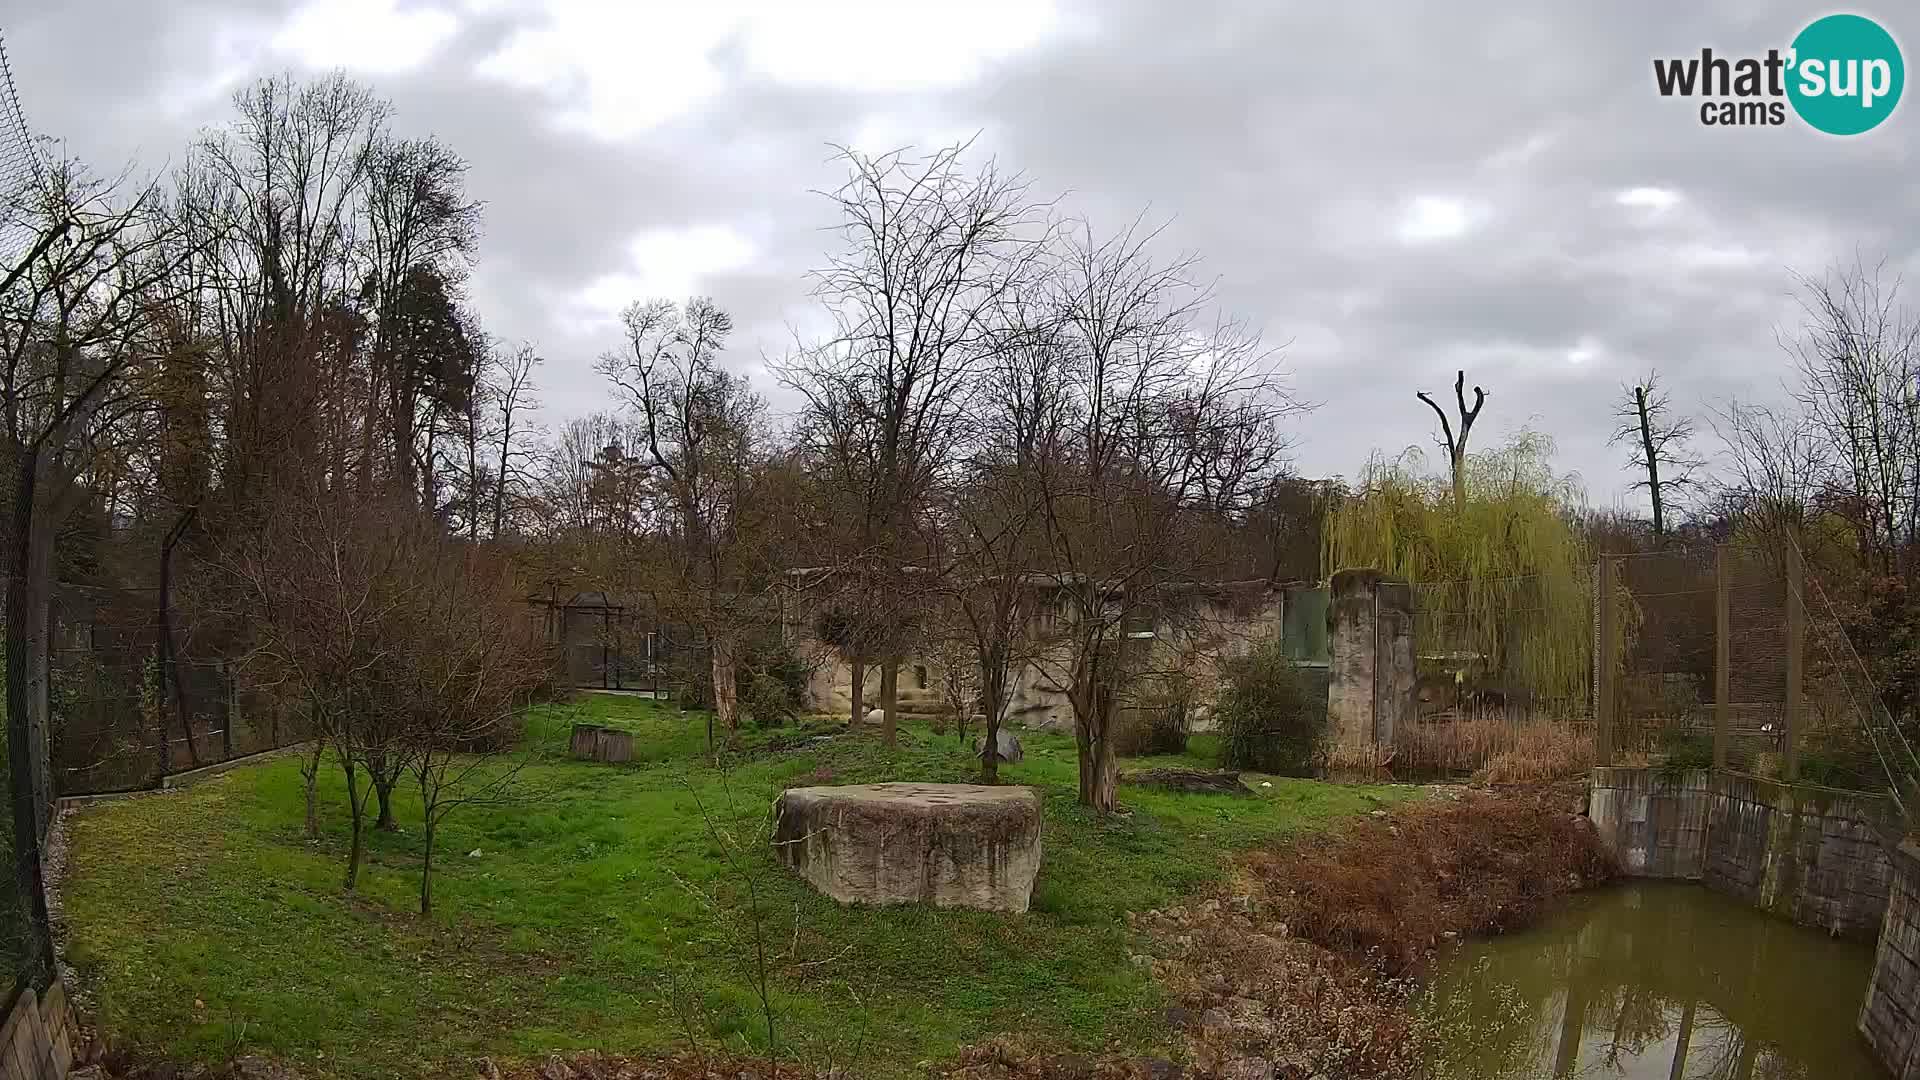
(950, 845)
(1373, 674)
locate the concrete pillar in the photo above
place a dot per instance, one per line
(1370, 636)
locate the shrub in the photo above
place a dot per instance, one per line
(1160, 719)
(1268, 721)
(770, 680)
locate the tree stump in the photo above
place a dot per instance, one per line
(950, 845)
(591, 742)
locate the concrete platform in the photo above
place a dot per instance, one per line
(950, 845)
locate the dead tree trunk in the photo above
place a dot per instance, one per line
(1456, 446)
(1652, 454)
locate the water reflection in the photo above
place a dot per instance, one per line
(1656, 980)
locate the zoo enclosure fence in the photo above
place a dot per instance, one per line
(1731, 657)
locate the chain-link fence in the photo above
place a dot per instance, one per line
(121, 719)
(1729, 657)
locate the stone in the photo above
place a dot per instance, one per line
(556, 1068)
(1247, 1068)
(950, 845)
(1191, 781)
(876, 717)
(254, 1067)
(88, 1072)
(1007, 744)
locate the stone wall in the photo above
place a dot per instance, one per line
(1890, 1015)
(1812, 855)
(36, 1041)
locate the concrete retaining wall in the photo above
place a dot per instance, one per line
(1890, 1015)
(1809, 854)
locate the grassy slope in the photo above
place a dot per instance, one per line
(204, 922)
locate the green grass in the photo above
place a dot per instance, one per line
(204, 924)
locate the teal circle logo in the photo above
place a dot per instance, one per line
(1845, 74)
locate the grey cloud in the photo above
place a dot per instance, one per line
(1281, 144)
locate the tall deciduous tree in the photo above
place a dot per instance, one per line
(702, 434)
(77, 341)
(1150, 423)
(928, 248)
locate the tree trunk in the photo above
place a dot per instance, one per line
(35, 962)
(726, 691)
(889, 702)
(169, 661)
(1458, 459)
(1098, 773)
(991, 691)
(858, 692)
(426, 860)
(310, 779)
(40, 675)
(357, 809)
(383, 782)
(1652, 457)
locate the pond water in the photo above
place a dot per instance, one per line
(1656, 980)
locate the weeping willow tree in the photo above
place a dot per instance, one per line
(1502, 581)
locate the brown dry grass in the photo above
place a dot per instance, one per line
(1495, 749)
(1308, 963)
(1389, 887)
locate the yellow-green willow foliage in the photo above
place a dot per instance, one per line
(1503, 585)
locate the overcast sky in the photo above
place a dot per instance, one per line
(1390, 191)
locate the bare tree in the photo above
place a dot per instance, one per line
(511, 378)
(1659, 447)
(928, 249)
(703, 430)
(1147, 426)
(468, 663)
(1858, 362)
(77, 341)
(1456, 445)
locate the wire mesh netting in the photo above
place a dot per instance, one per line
(1738, 632)
(119, 722)
(1665, 656)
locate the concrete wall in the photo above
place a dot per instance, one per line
(1194, 641)
(1890, 1015)
(1811, 855)
(1373, 675)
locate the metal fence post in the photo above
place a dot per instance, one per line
(1796, 659)
(1722, 654)
(1603, 709)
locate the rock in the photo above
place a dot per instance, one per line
(1162, 1069)
(876, 717)
(555, 1068)
(1247, 1068)
(487, 1069)
(1007, 744)
(1193, 781)
(1179, 1017)
(89, 1072)
(950, 845)
(1215, 1020)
